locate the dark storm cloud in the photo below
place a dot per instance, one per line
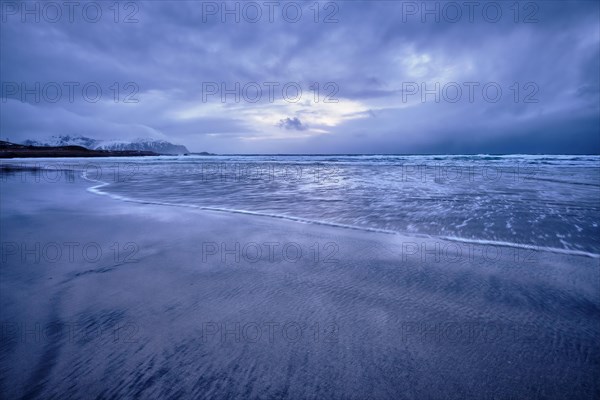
(292, 124)
(356, 77)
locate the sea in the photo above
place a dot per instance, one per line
(546, 202)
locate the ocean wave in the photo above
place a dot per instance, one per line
(572, 252)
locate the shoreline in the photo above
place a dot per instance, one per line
(360, 320)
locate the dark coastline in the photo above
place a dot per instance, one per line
(12, 150)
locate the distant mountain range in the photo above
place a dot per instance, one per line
(153, 145)
(15, 150)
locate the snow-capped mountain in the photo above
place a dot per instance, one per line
(154, 145)
(64, 140)
(157, 146)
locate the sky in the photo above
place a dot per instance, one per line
(381, 77)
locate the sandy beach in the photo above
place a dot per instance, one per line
(102, 298)
(288, 200)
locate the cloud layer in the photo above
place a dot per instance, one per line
(295, 77)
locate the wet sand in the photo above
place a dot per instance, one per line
(101, 298)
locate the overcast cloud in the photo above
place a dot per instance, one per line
(361, 68)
